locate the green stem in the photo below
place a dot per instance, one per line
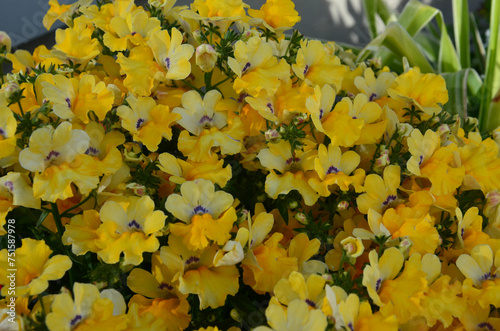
(222, 81)
(489, 117)
(65, 213)
(193, 87)
(20, 107)
(57, 219)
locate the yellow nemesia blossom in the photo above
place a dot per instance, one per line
(8, 126)
(316, 67)
(276, 15)
(81, 232)
(256, 67)
(374, 88)
(57, 157)
(129, 227)
(426, 91)
(87, 310)
(75, 97)
(34, 268)
(148, 121)
(296, 317)
(380, 192)
(297, 287)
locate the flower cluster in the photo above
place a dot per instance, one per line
(195, 167)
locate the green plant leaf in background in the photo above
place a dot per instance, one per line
(397, 39)
(458, 83)
(461, 31)
(489, 113)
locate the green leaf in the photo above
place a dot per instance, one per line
(461, 30)
(478, 41)
(448, 60)
(456, 83)
(415, 16)
(397, 39)
(489, 117)
(385, 13)
(370, 7)
(42, 217)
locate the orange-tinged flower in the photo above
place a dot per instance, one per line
(276, 15)
(218, 12)
(426, 91)
(273, 263)
(148, 121)
(402, 295)
(62, 12)
(316, 66)
(129, 227)
(34, 268)
(181, 171)
(198, 275)
(353, 123)
(482, 165)
(256, 67)
(81, 232)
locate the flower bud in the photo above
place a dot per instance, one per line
(405, 245)
(5, 41)
(353, 247)
(492, 208)
(300, 118)
(383, 160)
(249, 34)
(11, 90)
(301, 218)
(138, 189)
(343, 205)
(293, 204)
(405, 129)
(272, 136)
(206, 58)
(197, 36)
(235, 316)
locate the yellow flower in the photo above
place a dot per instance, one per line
(208, 214)
(276, 15)
(57, 157)
(296, 287)
(380, 192)
(288, 101)
(477, 266)
(270, 263)
(75, 97)
(147, 121)
(61, 12)
(256, 67)
(316, 67)
(140, 69)
(296, 317)
(482, 165)
(350, 314)
(293, 169)
(103, 147)
(140, 318)
(197, 273)
(8, 127)
(207, 120)
(402, 295)
(81, 232)
(168, 314)
(221, 13)
(169, 52)
(379, 271)
(354, 122)
(76, 44)
(87, 310)
(129, 227)
(181, 171)
(34, 268)
(167, 304)
(426, 91)
(374, 88)
(334, 167)
(421, 148)
(133, 28)
(303, 249)
(320, 104)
